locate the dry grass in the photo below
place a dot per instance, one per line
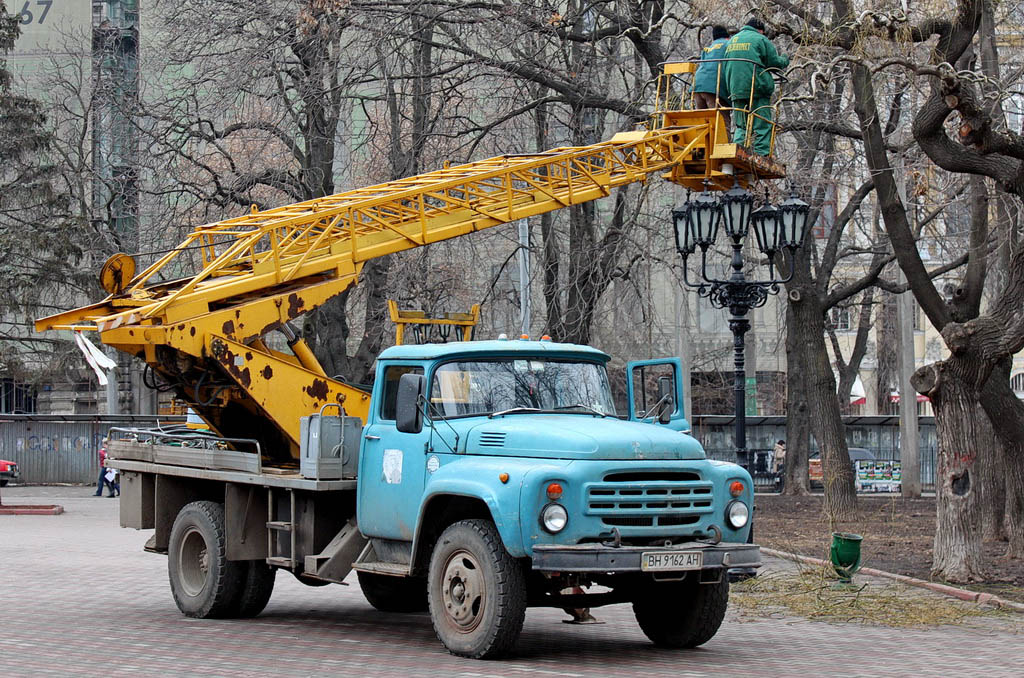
(808, 592)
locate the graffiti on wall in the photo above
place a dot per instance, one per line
(60, 444)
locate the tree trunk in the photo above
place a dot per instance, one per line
(826, 420)
(837, 472)
(798, 413)
(956, 554)
(1014, 497)
(1006, 412)
(991, 481)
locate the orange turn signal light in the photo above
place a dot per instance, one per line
(503, 477)
(736, 488)
(524, 336)
(554, 491)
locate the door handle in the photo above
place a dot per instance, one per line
(369, 437)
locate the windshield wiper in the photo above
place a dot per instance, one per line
(581, 406)
(514, 410)
(554, 410)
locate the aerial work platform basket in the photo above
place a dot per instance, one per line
(723, 161)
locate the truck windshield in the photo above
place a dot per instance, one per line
(487, 386)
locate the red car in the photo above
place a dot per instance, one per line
(8, 472)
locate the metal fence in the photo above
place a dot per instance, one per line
(877, 434)
(55, 448)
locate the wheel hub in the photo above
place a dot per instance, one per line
(462, 589)
(193, 562)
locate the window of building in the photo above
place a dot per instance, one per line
(16, 398)
(1017, 384)
(839, 319)
(711, 319)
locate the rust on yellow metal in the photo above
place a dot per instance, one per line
(283, 391)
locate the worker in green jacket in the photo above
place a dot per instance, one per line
(709, 86)
(750, 85)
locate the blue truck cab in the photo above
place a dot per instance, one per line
(498, 475)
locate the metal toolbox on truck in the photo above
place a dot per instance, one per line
(329, 445)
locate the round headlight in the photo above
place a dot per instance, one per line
(737, 514)
(554, 518)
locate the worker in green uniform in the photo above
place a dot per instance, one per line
(749, 53)
(709, 86)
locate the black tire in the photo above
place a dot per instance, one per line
(682, 614)
(394, 594)
(257, 587)
(3, 482)
(204, 583)
(476, 591)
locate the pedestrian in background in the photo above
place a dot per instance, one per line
(779, 457)
(103, 480)
(749, 53)
(710, 89)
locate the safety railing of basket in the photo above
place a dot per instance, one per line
(675, 92)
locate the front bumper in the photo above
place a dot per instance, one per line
(611, 559)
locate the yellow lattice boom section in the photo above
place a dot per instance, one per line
(270, 266)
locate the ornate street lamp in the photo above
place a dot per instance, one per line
(705, 215)
(777, 229)
(736, 205)
(685, 241)
(793, 221)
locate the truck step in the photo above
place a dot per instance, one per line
(282, 525)
(394, 569)
(280, 562)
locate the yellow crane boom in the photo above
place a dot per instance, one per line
(203, 332)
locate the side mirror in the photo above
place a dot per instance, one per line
(408, 415)
(665, 410)
(666, 396)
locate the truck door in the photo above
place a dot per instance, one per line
(654, 389)
(391, 465)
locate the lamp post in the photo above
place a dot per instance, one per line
(777, 229)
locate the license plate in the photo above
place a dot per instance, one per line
(668, 561)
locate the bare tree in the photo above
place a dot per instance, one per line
(937, 52)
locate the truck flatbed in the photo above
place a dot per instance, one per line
(212, 463)
(292, 481)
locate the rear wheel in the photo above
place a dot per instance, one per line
(256, 588)
(476, 591)
(204, 582)
(682, 614)
(394, 594)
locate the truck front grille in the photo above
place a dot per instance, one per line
(649, 499)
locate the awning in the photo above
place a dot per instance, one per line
(894, 397)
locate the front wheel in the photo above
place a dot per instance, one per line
(204, 583)
(681, 614)
(476, 591)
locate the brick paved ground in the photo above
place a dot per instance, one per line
(79, 597)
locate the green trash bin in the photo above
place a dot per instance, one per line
(845, 555)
